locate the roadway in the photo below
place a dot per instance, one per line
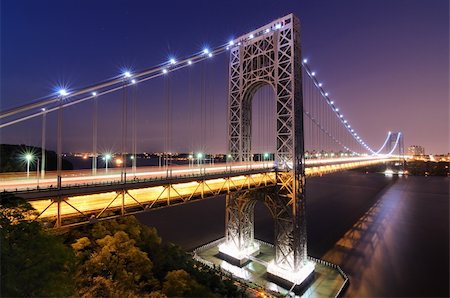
(93, 197)
(20, 181)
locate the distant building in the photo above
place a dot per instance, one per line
(416, 150)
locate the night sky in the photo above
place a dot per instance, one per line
(385, 63)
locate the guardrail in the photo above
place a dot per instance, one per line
(338, 268)
(136, 181)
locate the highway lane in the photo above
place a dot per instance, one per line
(19, 181)
(88, 205)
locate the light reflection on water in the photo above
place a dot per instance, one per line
(380, 251)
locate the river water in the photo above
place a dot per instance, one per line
(389, 234)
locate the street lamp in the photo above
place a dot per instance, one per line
(199, 157)
(190, 157)
(106, 158)
(28, 157)
(228, 159)
(265, 157)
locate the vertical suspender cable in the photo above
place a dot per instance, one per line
(124, 133)
(59, 143)
(190, 111)
(44, 128)
(94, 135)
(134, 160)
(166, 130)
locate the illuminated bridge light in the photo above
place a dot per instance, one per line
(251, 36)
(164, 70)
(278, 26)
(332, 102)
(172, 61)
(94, 93)
(127, 74)
(189, 62)
(320, 84)
(267, 30)
(133, 81)
(231, 42)
(205, 51)
(210, 55)
(63, 92)
(305, 61)
(326, 93)
(313, 73)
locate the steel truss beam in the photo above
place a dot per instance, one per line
(270, 55)
(76, 210)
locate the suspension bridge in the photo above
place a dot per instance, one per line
(282, 126)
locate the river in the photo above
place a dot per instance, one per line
(389, 234)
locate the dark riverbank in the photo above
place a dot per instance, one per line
(418, 239)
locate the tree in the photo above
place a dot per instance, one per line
(33, 261)
(146, 238)
(117, 259)
(179, 283)
(100, 245)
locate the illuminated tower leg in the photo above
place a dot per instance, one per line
(239, 228)
(288, 207)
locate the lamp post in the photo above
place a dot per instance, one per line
(106, 158)
(228, 159)
(63, 93)
(199, 157)
(28, 158)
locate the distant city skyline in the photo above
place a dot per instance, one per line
(385, 63)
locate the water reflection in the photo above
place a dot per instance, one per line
(386, 252)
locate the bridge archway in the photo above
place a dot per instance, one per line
(262, 108)
(269, 55)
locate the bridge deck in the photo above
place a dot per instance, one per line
(81, 200)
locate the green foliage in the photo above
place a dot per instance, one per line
(159, 269)
(179, 283)
(33, 262)
(117, 259)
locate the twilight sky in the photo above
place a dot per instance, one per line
(384, 62)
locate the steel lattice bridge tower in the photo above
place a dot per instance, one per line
(269, 59)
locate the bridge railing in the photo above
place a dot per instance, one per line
(136, 180)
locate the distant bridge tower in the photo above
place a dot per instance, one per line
(396, 139)
(395, 146)
(270, 55)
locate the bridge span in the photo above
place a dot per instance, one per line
(86, 198)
